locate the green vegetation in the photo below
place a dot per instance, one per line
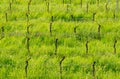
(59, 39)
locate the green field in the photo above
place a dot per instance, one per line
(52, 39)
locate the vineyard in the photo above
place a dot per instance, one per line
(59, 39)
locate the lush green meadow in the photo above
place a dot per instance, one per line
(83, 42)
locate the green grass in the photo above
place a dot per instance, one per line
(43, 63)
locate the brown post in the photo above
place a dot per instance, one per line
(28, 45)
(81, 3)
(94, 16)
(52, 19)
(56, 46)
(75, 28)
(94, 69)
(26, 66)
(72, 18)
(87, 47)
(63, 2)
(6, 17)
(61, 66)
(99, 30)
(2, 32)
(28, 29)
(28, 39)
(87, 7)
(50, 28)
(114, 15)
(27, 15)
(48, 7)
(115, 42)
(29, 3)
(67, 7)
(10, 7)
(106, 7)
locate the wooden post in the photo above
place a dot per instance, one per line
(72, 18)
(87, 7)
(94, 69)
(63, 1)
(29, 3)
(10, 7)
(28, 45)
(27, 15)
(81, 3)
(87, 46)
(28, 29)
(26, 66)
(52, 19)
(94, 16)
(75, 28)
(6, 17)
(56, 46)
(67, 7)
(99, 30)
(106, 7)
(28, 36)
(28, 39)
(115, 42)
(48, 7)
(2, 32)
(50, 28)
(114, 15)
(61, 66)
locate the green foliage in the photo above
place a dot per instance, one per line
(44, 64)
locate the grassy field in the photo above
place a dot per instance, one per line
(52, 39)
